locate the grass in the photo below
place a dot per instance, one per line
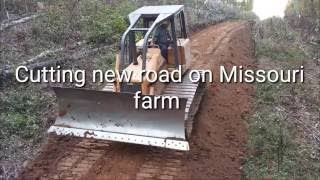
(276, 149)
(94, 21)
(271, 147)
(106, 62)
(27, 110)
(21, 111)
(63, 22)
(104, 22)
(24, 113)
(273, 150)
(279, 51)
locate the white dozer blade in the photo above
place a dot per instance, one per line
(113, 116)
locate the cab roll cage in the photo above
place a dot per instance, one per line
(128, 42)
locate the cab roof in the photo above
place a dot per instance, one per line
(160, 13)
(153, 10)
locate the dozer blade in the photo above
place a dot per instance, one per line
(113, 116)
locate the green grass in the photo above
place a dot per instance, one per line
(106, 62)
(267, 93)
(274, 149)
(21, 111)
(271, 148)
(103, 22)
(94, 21)
(278, 51)
(270, 142)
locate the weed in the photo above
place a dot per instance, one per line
(95, 21)
(106, 62)
(20, 111)
(274, 149)
(276, 51)
(102, 22)
(271, 147)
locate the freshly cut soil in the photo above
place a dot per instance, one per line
(219, 139)
(217, 143)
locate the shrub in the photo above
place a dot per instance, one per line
(278, 41)
(20, 111)
(59, 23)
(277, 29)
(104, 23)
(278, 51)
(106, 63)
(276, 149)
(16, 7)
(209, 12)
(95, 21)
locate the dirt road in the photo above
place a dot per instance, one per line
(217, 144)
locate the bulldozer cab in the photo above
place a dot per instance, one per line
(136, 42)
(109, 113)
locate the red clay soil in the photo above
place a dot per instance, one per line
(220, 132)
(217, 143)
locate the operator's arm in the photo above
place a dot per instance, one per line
(169, 37)
(155, 37)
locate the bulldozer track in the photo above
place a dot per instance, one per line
(190, 90)
(79, 159)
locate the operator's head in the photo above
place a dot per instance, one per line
(165, 24)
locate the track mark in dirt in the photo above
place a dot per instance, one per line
(65, 158)
(202, 48)
(217, 143)
(219, 140)
(162, 165)
(122, 161)
(84, 155)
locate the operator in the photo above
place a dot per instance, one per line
(162, 37)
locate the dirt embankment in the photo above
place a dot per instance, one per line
(217, 144)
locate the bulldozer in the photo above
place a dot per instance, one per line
(110, 113)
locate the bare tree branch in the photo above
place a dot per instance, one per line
(19, 21)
